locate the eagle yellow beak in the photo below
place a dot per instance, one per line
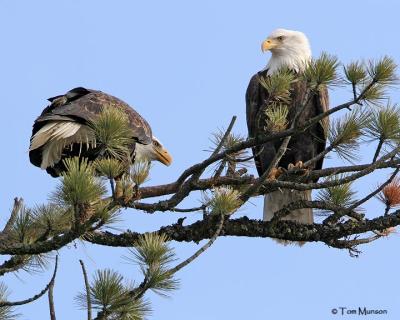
(164, 157)
(268, 44)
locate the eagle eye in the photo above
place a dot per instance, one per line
(280, 38)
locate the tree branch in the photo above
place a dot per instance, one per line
(35, 297)
(87, 288)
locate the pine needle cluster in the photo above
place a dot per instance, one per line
(153, 255)
(345, 133)
(6, 312)
(223, 200)
(278, 84)
(322, 72)
(355, 73)
(276, 117)
(383, 71)
(231, 140)
(371, 79)
(109, 167)
(384, 124)
(113, 134)
(79, 185)
(139, 172)
(340, 195)
(112, 298)
(390, 194)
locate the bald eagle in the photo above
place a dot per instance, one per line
(290, 49)
(63, 131)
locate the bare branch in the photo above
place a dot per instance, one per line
(51, 301)
(87, 288)
(35, 297)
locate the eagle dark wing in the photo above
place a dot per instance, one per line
(322, 105)
(83, 105)
(303, 146)
(256, 97)
(62, 128)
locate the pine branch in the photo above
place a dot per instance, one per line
(51, 301)
(201, 250)
(18, 204)
(35, 297)
(374, 193)
(13, 264)
(244, 227)
(87, 288)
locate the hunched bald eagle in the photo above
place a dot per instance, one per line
(63, 131)
(290, 49)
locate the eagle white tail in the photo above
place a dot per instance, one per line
(54, 136)
(276, 200)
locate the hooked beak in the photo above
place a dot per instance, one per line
(268, 44)
(164, 157)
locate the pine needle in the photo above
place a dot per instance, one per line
(224, 200)
(109, 167)
(113, 133)
(355, 73)
(276, 117)
(278, 84)
(384, 124)
(78, 184)
(345, 133)
(153, 255)
(341, 195)
(109, 295)
(383, 71)
(6, 312)
(139, 172)
(322, 71)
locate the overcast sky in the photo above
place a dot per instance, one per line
(184, 66)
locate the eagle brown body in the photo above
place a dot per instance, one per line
(302, 146)
(63, 126)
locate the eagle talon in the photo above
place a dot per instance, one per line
(298, 168)
(275, 173)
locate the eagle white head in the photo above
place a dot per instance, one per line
(154, 151)
(289, 49)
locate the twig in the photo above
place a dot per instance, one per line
(200, 170)
(112, 186)
(201, 208)
(142, 288)
(319, 156)
(378, 149)
(51, 301)
(322, 205)
(201, 250)
(18, 204)
(13, 264)
(35, 297)
(87, 287)
(372, 194)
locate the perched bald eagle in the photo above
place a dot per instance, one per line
(63, 131)
(290, 49)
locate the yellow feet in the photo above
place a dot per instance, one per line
(298, 168)
(275, 173)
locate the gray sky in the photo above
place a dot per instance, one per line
(185, 67)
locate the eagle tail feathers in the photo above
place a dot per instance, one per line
(276, 200)
(56, 135)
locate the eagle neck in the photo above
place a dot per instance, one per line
(294, 60)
